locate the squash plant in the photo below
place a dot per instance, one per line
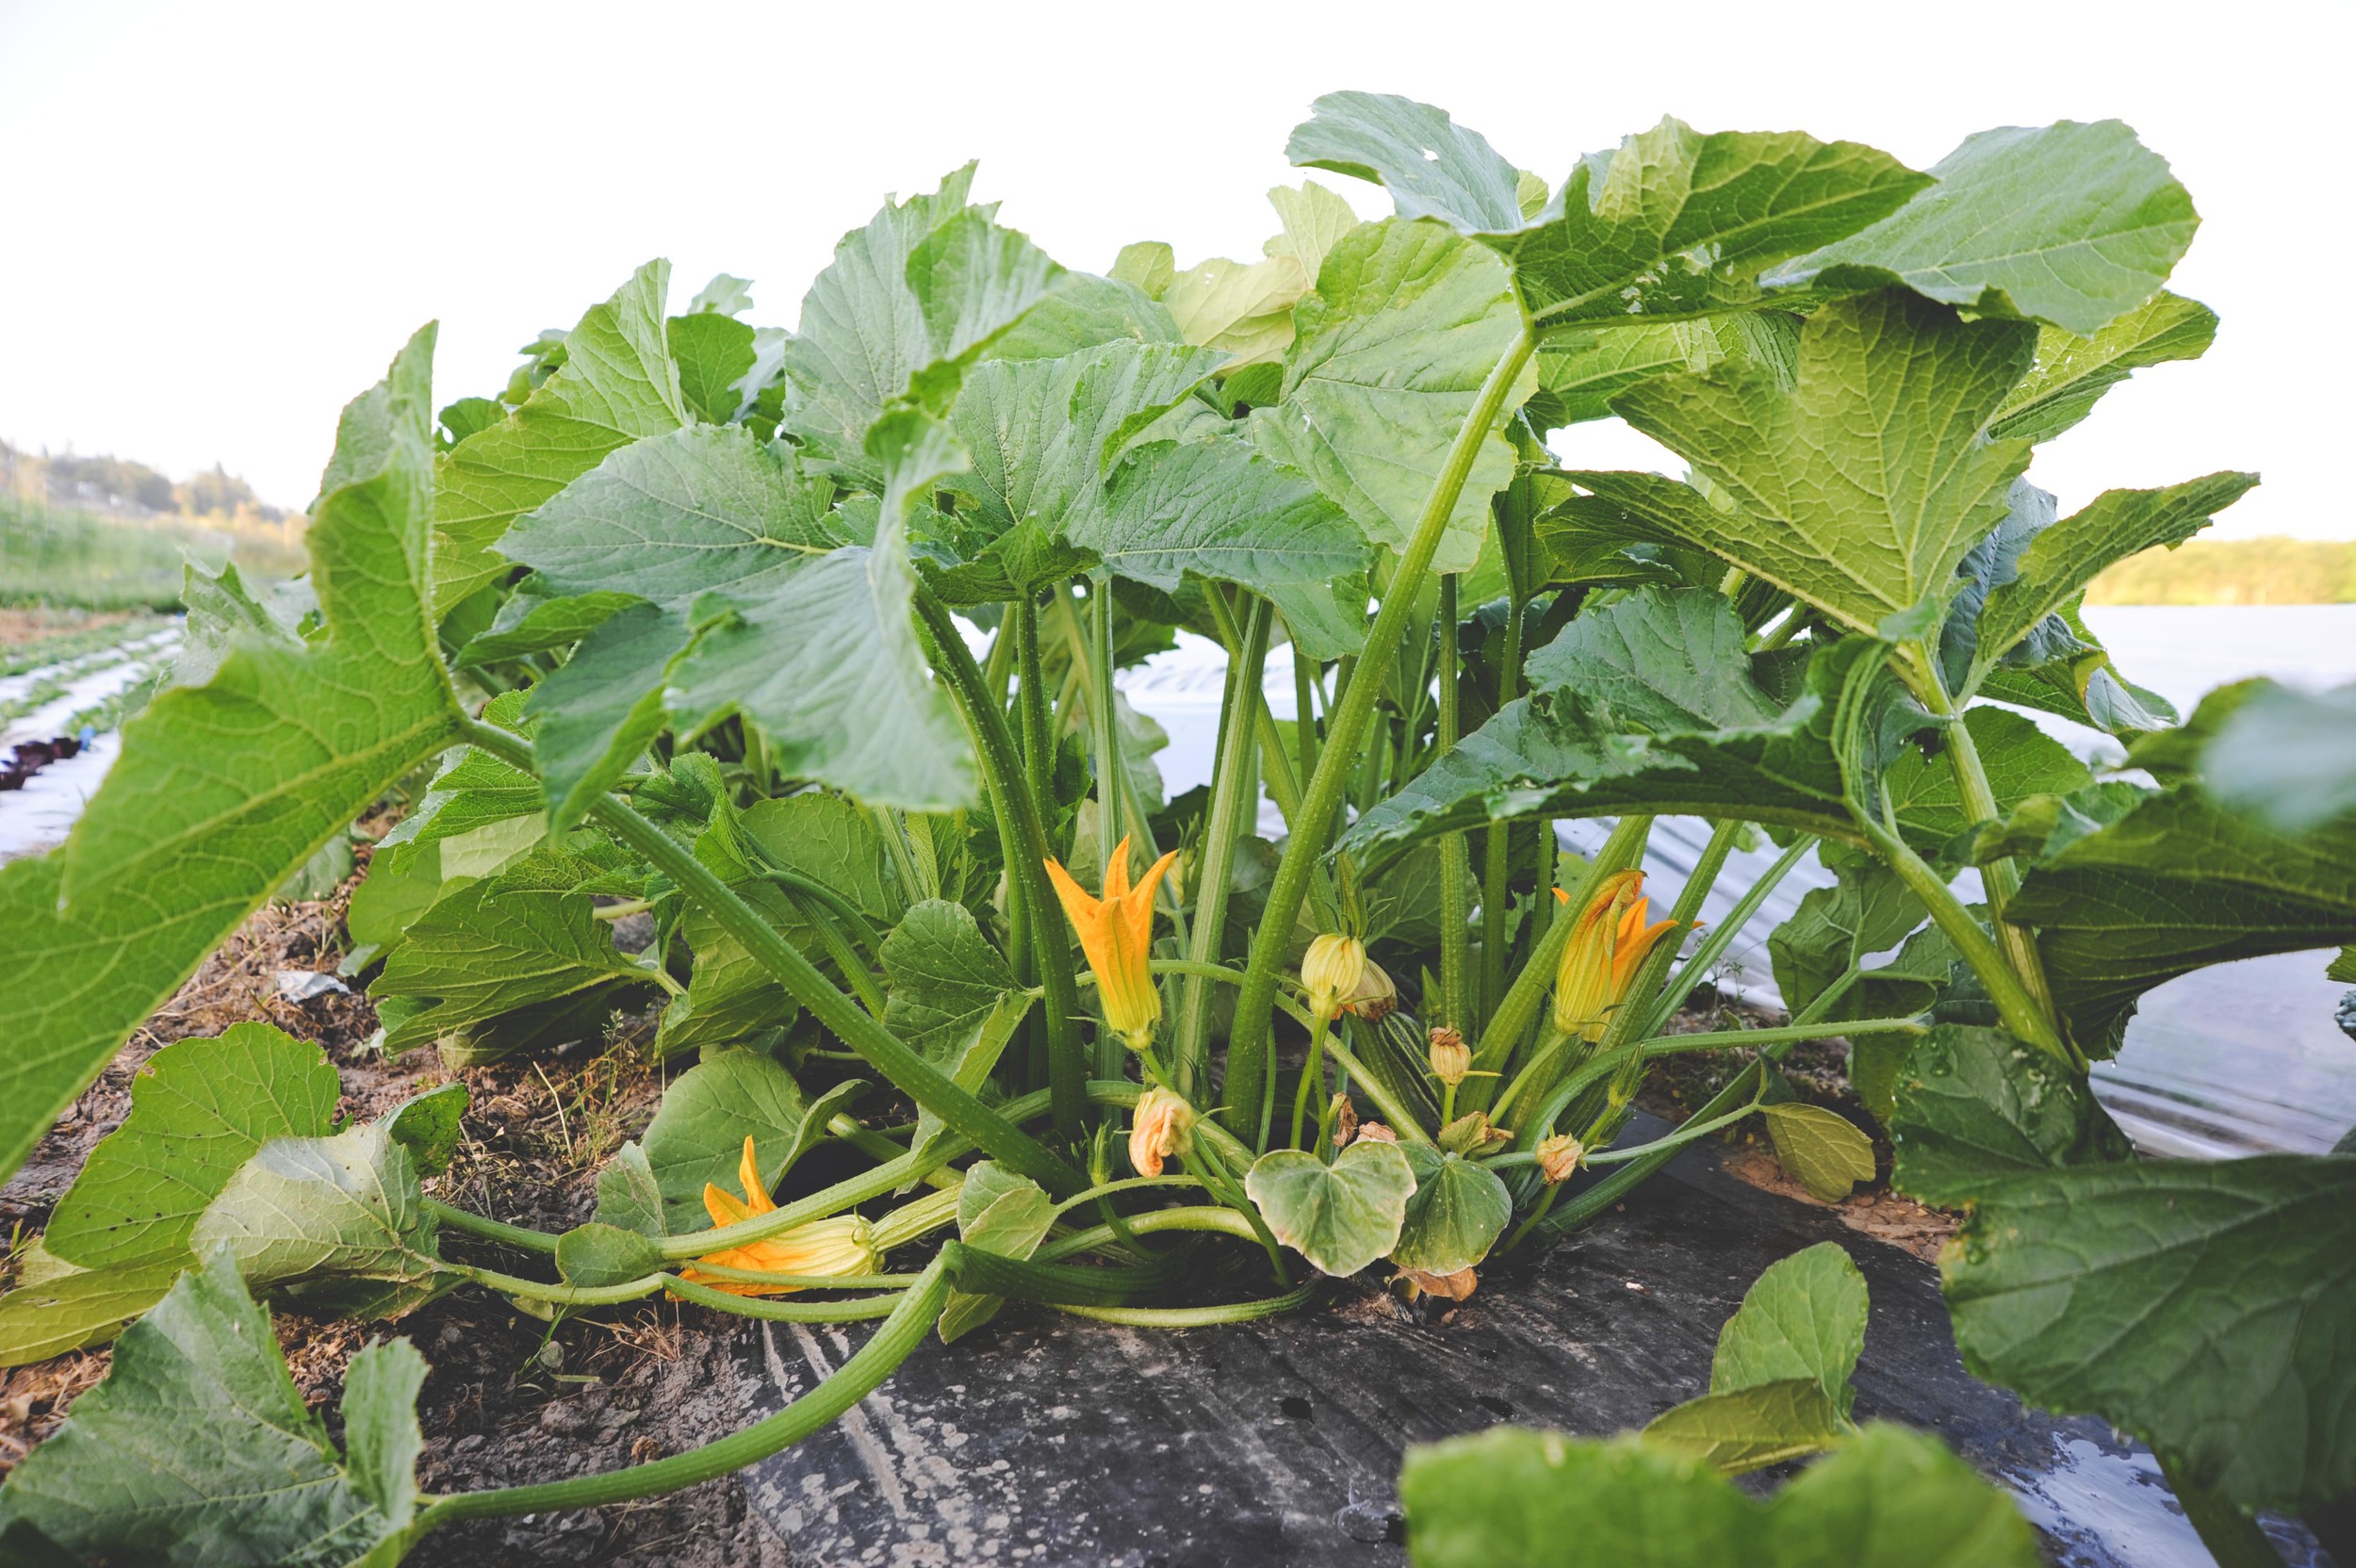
(805, 644)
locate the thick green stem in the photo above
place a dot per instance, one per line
(1399, 1118)
(890, 1344)
(1234, 795)
(1455, 861)
(1108, 792)
(1511, 1017)
(2015, 1007)
(1251, 1047)
(2001, 878)
(1196, 1317)
(1497, 844)
(911, 1073)
(1067, 1067)
(2232, 1536)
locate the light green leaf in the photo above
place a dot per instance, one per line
(732, 999)
(497, 945)
(223, 790)
(628, 1197)
(1340, 1216)
(427, 1125)
(1862, 488)
(1406, 323)
(1315, 221)
(713, 352)
(617, 384)
(58, 1307)
(222, 613)
(1804, 1317)
(197, 1449)
(2072, 224)
(1080, 312)
(1148, 265)
(335, 1223)
(1976, 1108)
(199, 1110)
(971, 281)
(1219, 510)
(1750, 1428)
(698, 1135)
(2205, 1307)
(2175, 884)
(1458, 1211)
(2020, 759)
(603, 1253)
(1822, 1150)
(1867, 910)
(2060, 561)
(1580, 374)
(1670, 221)
(1887, 1498)
(2073, 372)
(2288, 758)
(1894, 1498)
(997, 1211)
(826, 662)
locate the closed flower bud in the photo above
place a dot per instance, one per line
(1163, 1126)
(1452, 1059)
(1374, 996)
(1558, 1156)
(1331, 971)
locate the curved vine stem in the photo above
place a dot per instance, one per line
(1251, 1047)
(918, 1309)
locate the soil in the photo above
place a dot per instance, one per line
(511, 1398)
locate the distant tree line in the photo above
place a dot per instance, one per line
(109, 484)
(2271, 570)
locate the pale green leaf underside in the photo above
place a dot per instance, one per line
(1340, 1216)
(223, 790)
(1822, 1149)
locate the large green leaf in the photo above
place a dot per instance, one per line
(906, 304)
(199, 1109)
(826, 659)
(1804, 1317)
(1861, 488)
(224, 790)
(196, 1450)
(1976, 1108)
(1670, 221)
(2176, 883)
(2020, 761)
(1406, 323)
(2052, 572)
(1546, 755)
(335, 1223)
(617, 384)
(2072, 224)
(2206, 1308)
(1340, 1216)
(490, 947)
(1658, 662)
(2073, 372)
(1510, 1497)
(1457, 1213)
(952, 997)
(699, 1134)
(1219, 510)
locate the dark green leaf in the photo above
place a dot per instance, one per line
(1661, 661)
(427, 1126)
(2176, 883)
(1894, 1499)
(1976, 1108)
(713, 352)
(952, 997)
(2020, 759)
(997, 1211)
(2206, 1308)
(698, 1135)
(1458, 1211)
(603, 1253)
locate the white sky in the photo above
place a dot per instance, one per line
(222, 218)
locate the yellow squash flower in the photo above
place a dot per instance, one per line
(1605, 946)
(1331, 972)
(1164, 1125)
(1117, 934)
(1452, 1059)
(842, 1245)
